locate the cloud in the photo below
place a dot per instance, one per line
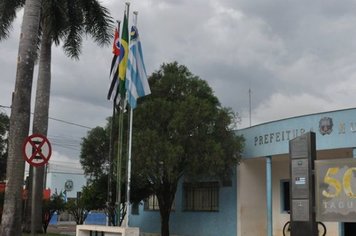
(297, 57)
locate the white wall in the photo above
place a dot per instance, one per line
(252, 198)
(58, 174)
(251, 183)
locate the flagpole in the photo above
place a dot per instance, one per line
(120, 146)
(118, 169)
(110, 206)
(118, 161)
(111, 157)
(128, 188)
(129, 170)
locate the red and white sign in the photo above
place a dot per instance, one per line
(36, 150)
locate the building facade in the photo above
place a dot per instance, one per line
(66, 179)
(264, 173)
(257, 202)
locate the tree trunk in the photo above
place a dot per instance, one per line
(20, 120)
(26, 227)
(40, 126)
(40, 118)
(165, 197)
(165, 222)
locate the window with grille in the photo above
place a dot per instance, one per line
(151, 204)
(202, 196)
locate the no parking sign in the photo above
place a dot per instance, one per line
(36, 150)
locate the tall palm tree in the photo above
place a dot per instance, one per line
(20, 112)
(63, 21)
(81, 17)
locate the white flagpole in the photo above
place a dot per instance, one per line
(129, 171)
(129, 152)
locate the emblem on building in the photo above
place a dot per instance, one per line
(68, 185)
(325, 125)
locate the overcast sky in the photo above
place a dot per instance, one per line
(297, 57)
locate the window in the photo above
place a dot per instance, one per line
(135, 208)
(151, 204)
(285, 204)
(202, 196)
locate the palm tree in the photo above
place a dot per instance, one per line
(20, 112)
(63, 21)
(82, 17)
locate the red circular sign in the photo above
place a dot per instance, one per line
(36, 150)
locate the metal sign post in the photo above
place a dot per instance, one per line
(36, 151)
(302, 153)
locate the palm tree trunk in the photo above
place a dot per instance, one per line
(40, 118)
(26, 227)
(20, 119)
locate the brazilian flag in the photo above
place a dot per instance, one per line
(124, 54)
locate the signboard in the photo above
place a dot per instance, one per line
(300, 178)
(300, 208)
(336, 190)
(36, 150)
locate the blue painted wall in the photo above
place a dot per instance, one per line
(221, 223)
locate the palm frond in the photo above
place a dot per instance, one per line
(74, 29)
(97, 21)
(55, 18)
(8, 9)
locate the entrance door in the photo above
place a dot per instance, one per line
(349, 229)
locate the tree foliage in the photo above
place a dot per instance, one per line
(4, 129)
(54, 204)
(181, 129)
(78, 210)
(94, 152)
(94, 159)
(94, 194)
(93, 197)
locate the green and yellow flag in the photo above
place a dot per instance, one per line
(124, 54)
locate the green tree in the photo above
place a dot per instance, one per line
(54, 204)
(20, 115)
(67, 21)
(181, 129)
(94, 152)
(1, 204)
(4, 130)
(93, 158)
(79, 208)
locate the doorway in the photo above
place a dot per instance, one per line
(349, 229)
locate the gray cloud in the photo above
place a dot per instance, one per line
(297, 57)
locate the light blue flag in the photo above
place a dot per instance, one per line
(136, 77)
